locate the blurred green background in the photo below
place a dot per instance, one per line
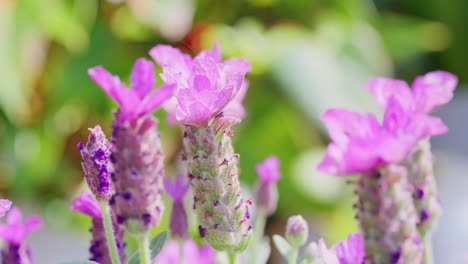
(307, 55)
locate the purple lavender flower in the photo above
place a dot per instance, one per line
(96, 164)
(386, 213)
(178, 221)
(99, 251)
(350, 251)
(4, 206)
(428, 92)
(297, 231)
(193, 254)
(14, 233)
(136, 147)
(267, 191)
(138, 100)
(206, 86)
(209, 94)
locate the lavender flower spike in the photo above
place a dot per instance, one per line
(350, 251)
(428, 92)
(206, 86)
(4, 206)
(98, 250)
(267, 191)
(386, 213)
(178, 220)
(96, 164)
(14, 233)
(135, 147)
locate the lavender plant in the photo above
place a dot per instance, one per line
(208, 103)
(396, 204)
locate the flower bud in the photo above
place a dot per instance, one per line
(297, 231)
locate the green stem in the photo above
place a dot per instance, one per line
(143, 246)
(293, 256)
(259, 233)
(428, 258)
(181, 252)
(107, 221)
(232, 258)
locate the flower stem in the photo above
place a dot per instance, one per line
(428, 258)
(232, 258)
(143, 246)
(181, 252)
(114, 253)
(293, 256)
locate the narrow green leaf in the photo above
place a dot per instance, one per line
(282, 245)
(156, 246)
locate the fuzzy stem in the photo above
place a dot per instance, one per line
(143, 246)
(259, 229)
(113, 251)
(428, 258)
(232, 258)
(293, 256)
(181, 252)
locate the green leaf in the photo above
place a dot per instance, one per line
(282, 245)
(156, 246)
(81, 262)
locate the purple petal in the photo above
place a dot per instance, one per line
(433, 90)
(33, 223)
(178, 189)
(383, 88)
(127, 99)
(176, 65)
(142, 78)
(350, 251)
(4, 206)
(268, 170)
(156, 99)
(214, 53)
(234, 111)
(86, 204)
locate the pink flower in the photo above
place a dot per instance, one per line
(14, 231)
(193, 254)
(351, 250)
(268, 170)
(86, 204)
(428, 91)
(178, 189)
(206, 85)
(178, 221)
(266, 194)
(4, 206)
(138, 100)
(359, 143)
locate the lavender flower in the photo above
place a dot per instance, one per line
(206, 86)
(193, 254)
(98, 250)
(96, 164)
(267, 191)
(136, 148)
(14, 232)
(428, 92)
(178, 221)
(350, 251)
(297, 231)
(4, 206)
(361, 145)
